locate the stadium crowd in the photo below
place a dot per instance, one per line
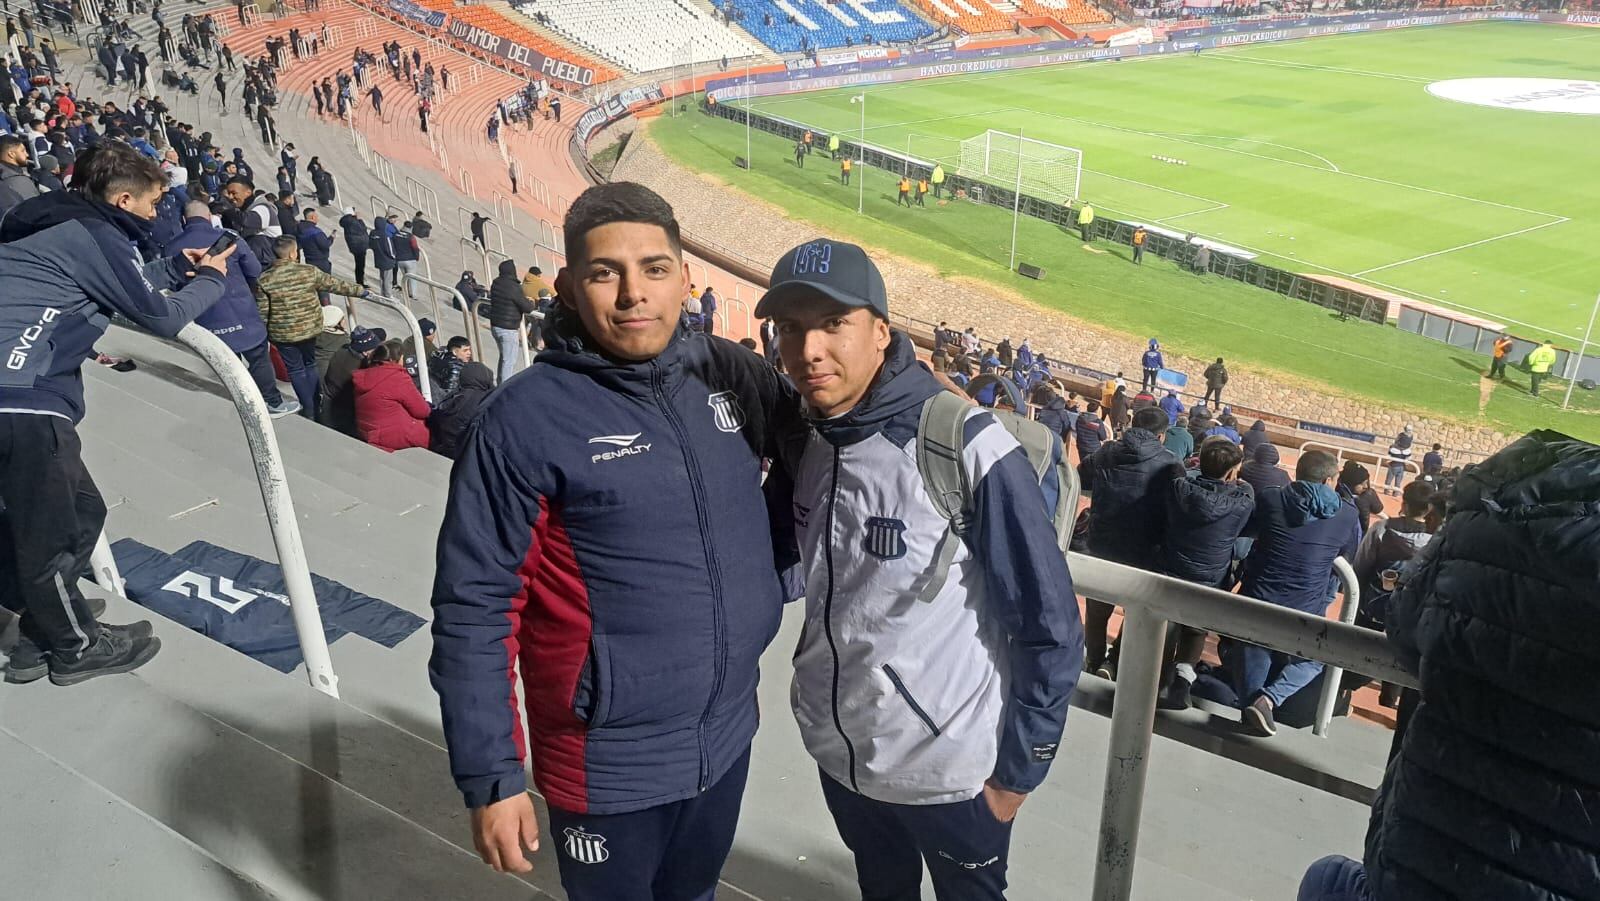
(100, 207)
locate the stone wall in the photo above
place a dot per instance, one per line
(713, 211)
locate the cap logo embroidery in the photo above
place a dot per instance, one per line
(814, 257)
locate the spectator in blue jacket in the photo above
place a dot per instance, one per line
(1152, 364)
(1206, 513)
(316, 246)
(1126, 481)
(1171, 405)
(1488, 795)
(235, 318)
(606, 531)
(1226, 427)
(1298, 532)
(1089, 431)
(67, 264)
(708, 311)
(926, 756)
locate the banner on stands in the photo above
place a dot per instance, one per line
(513, 52)
(429, 17)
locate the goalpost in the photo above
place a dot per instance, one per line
(1045, 170)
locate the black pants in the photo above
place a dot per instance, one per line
(1497, 368)
(673, 852)
(1213, 395)
(963, 844)
(52, 517)
(258, 360)
(844, 176)
(360, 257)
(1148, 381)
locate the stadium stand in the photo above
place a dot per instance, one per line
(792, 26)
(971, 16)
(496, 22)
(643, 35)
(1067, 12)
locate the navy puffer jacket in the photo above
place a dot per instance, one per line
(1127, 479)
(1204, 517)
(1494, 792)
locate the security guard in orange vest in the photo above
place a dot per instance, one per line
(1139, 237)
(922, 191)
(905, 192)
(844, 171)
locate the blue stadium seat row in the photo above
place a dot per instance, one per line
(789, 26)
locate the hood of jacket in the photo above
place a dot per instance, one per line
(476, 376)
(901, 385)
(47, 210)
(508, 269)
(1134, 447)
(1202, 501)
(1266, 454)
(1259, 426)
(1305, 501)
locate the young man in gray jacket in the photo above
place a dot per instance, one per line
(932, 710)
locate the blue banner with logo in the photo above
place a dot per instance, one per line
(430, 17)
(242, 602)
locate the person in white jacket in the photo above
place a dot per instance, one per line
(932, 707)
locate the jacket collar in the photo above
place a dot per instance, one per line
(569, 346)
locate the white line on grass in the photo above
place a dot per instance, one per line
(1231, 56)
(1478, 243)
(1179, 134)
(1212, 209)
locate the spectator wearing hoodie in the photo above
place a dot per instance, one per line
(472, 291)
(1151, 364)
(1355, 486)
(1216, 376)
(356, 240)
(1053, 413)
(1172, 405)
(1179, 440)
(390, 412)
(508, 308)
(1126, 480)
(1255, 437)
(1262, 471)
(1388, 544)
(449, 420)
(407, 256)
(382, 243)
(316, 247)
(234, 318)
(708, 311)
(1226, 427)
(1299, 531)
(1205, 516)
(1399, 455)
(1488, 795)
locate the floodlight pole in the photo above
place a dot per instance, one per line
(749, 99)
(1582, 349)
(1016, 203)
(861, 156)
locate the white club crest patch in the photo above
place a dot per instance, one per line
(586, 847)
(726, 410)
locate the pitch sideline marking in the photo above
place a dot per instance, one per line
(1230, 56)
(1333, 167)
(1520, 231)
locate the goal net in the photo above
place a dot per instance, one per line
(1047, 171)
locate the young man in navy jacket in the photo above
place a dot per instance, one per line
(606, 533)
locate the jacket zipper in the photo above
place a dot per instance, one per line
(719, 645)
(827, 623)
(905, 694)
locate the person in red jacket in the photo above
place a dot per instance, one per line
(390, 412)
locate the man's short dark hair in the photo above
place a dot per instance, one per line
(111, 168)
(1416, 497)
(240, 180)
(309, 211)
(283, 246)
(1316, 466)
(1217, 456)
(458, 342)
(7, 142)
(621, 201)
(1153, 419)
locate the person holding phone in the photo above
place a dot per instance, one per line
(68, 262)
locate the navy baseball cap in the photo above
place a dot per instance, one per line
(834, 269)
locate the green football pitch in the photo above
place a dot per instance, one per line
(1326, 156)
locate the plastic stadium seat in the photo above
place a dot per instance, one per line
(642, 35)
(971, 16)
(822, 25)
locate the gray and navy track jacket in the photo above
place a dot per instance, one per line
(916, 702)
(68, 265)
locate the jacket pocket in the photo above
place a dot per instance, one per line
(591, 696)
(905, 694)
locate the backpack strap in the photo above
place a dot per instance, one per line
(939, 432)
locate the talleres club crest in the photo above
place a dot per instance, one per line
(586, 847)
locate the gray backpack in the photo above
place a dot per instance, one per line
(939, 434)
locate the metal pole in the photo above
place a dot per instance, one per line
(749, 99)
(268, 460)
(1333, 675)
(861, 154)
(1133, 717)
(1016, 204)
(1583, 349)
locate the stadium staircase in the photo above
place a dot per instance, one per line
(208, 775)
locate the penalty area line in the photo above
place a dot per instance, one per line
(1469, 244)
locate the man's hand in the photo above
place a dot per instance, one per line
(197, 258)
(501, 830)
(1003, 802)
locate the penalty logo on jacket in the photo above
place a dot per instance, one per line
(586, 847)
(725, 409)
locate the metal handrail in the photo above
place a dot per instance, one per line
(504, 208)
(410, 319)
(468, 313)
(1333, 675)
(467, 184)
(416, 189)
(1150, 601)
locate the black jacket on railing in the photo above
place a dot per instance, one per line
(1494, 791)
